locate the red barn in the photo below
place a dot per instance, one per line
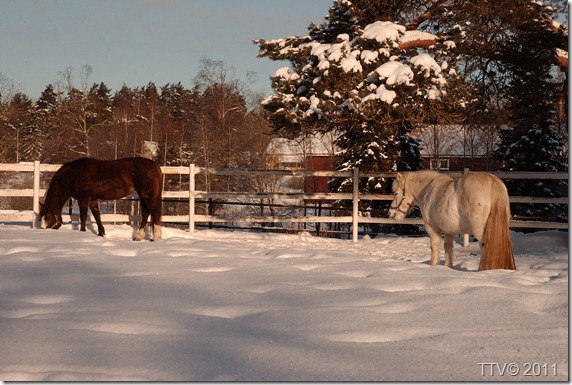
(456, 147)
(314, 153)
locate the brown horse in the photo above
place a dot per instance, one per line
(88, 180)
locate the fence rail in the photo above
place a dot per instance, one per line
(192, 195)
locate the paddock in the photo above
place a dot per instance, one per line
(297, 213)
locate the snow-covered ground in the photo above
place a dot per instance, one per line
(221, 305)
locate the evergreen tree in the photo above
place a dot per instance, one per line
(124, 111)
(150, 108)
(100, 119)
(42, 134)
(371, 81)
(19, 126)
(174, 121)
(530, 142)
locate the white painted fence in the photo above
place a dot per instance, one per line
(35, 192)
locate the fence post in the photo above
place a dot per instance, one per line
(355, 200)
(192, 198)
(36, 197)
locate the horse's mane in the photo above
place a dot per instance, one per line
(423, 176)
(54, 198)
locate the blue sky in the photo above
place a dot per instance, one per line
(138, 41)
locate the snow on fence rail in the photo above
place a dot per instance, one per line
(192, 195)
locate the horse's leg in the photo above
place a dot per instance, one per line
(156, 214)
(449, 239)
(94, 207)
(435, 238)
(154, 209)
(157, 233)
(477, 228)
(83, 205)
(144, 218)
(150, 206)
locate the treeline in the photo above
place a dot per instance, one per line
(216, 123)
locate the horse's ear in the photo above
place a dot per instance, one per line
(400, 179)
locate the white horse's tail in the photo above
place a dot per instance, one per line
(496, 250)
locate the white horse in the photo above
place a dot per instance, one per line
(475, 203)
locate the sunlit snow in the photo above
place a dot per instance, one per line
(238, 306)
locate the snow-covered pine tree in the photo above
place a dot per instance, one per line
(368, 79)
(530, 142)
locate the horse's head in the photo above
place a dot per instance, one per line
(402, 202)
(49, 218)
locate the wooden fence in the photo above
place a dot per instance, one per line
(192, 196)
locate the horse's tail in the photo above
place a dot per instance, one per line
(157, 203)
(158, 214)
(496, 250)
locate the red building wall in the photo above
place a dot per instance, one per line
(318, 184)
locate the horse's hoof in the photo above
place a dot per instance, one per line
(139, 235)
